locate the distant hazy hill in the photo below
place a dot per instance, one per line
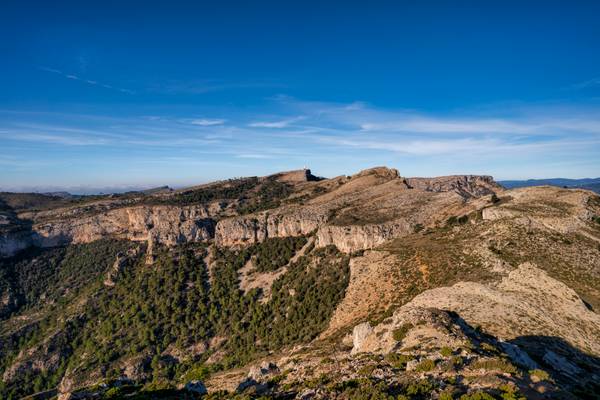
(586, 183)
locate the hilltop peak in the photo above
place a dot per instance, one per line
(299, 175)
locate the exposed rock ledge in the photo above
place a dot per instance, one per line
(349, 238)
(256, 228)
(361, 237)
(362, 194)
(166, 225)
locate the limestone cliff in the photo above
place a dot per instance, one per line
(353, 213)
(168, 225)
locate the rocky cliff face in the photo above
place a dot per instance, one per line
(361, 237)
(257, 227)
(361, 211)
(168, 225)
(465, 185)
(301, 175)
(244, 231)
(353, 213)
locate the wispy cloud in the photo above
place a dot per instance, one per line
(87, 81)
(275, 124)
(207, 122)
(519, 140)
(211, 85)
(586, 84)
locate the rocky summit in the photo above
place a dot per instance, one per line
(292, 286)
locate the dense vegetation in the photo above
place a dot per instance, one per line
(269, 195)
(158, 314)
(44, 276)
(302, 302)
(274, 253)
(251, 194)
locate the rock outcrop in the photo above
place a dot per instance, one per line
(258, 227)
(409, 327)
(166, 225)
(465, 185)
(527, 302)
(353, 213)
(300, 175)
(361, 237)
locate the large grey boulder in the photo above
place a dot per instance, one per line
(359, 334)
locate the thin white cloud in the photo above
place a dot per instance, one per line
(462, 148)
(66, 140)
(586, 84)
(507, 140)
(436, 125)
(87, 81)
(275, 124)
(207, 122)
(209, 86)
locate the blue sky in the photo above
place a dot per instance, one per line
(119, 94)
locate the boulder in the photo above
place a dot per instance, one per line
(359, 334)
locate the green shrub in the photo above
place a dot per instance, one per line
(317, 381)
(540, 374)
(397, 360)
(364, 389)
(510, 392)
(366, 370)
(425, 366)
(199, 372)
(446, 351)
(489, 348)
(447, 395)
(113, 392)
(495, 365)
(457, 361)
(421, 388)
(399, 334)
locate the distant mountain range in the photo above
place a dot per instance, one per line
(586, 183)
